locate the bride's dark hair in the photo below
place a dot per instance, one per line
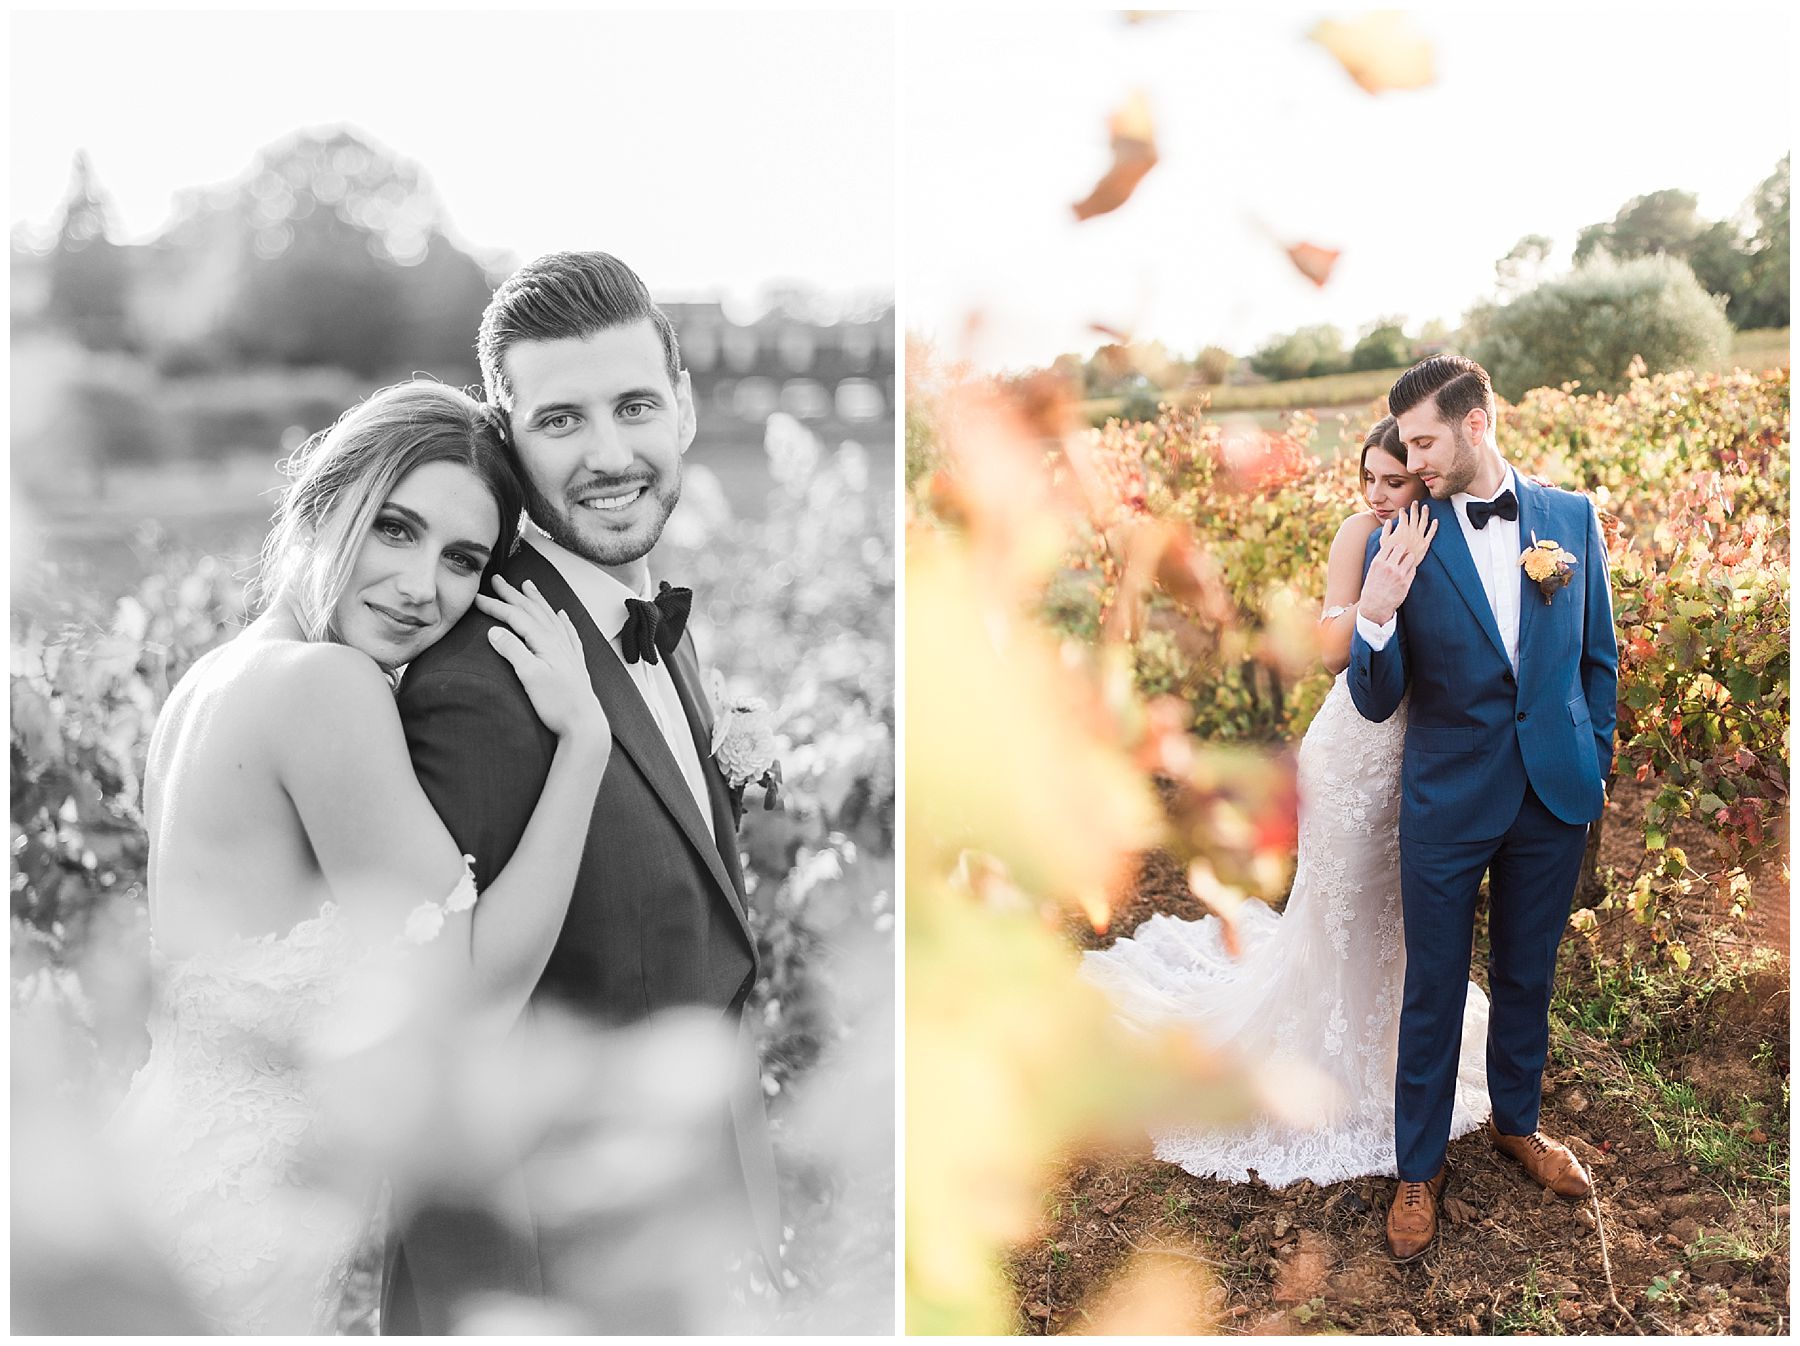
(342, 476)
(1383, 435)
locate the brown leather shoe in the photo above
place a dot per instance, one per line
(1412, 1219)
(1546, 1160)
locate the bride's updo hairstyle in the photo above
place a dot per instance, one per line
(1383, 435)
(342, 476)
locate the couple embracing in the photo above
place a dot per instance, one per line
(457, 751)
(1468, 734)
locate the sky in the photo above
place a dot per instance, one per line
(715, 152)
(1538, 123)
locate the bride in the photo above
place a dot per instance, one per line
(292, 851)
(1319, 984)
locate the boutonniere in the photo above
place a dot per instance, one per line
(743, 743)
(1548, 564)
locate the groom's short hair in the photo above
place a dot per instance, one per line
(1457, 382)
(564, 295)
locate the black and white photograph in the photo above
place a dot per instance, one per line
(453, 706)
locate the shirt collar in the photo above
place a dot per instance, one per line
(600, 593)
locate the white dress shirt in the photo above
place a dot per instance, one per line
(604, 598)
(1495, 550)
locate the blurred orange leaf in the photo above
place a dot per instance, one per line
(1314, 262)
(1381, 51)
(1134, 154)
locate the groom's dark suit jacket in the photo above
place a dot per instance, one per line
(657, 917)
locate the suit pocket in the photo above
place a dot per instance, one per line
(1442, 737)
(1578, 710)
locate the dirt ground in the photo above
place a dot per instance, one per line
(1675, 1100)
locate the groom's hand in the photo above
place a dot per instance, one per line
(1404, 541)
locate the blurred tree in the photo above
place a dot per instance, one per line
(1306, 353)
(1434, 336)
(1382, 346)
(332, 229)
(441, 299)
(1764, 298)
(1750, 272)
(1660, 222)
(1213, 366)
(1523, 267)
(89, 275)
(1590, 324)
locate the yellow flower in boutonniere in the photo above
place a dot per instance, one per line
(1548, 565)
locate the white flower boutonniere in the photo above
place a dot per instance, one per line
(743, 743)
(1549, 565)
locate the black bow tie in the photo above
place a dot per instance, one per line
(655, 625)
(1506, 505)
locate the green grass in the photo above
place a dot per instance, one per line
(1650, 1015)
(1533, 1313)
(1766, 348)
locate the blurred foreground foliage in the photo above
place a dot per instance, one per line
(798, 610)
(1111, 641)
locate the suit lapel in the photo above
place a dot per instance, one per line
(633, 728)
(1451, 551)
(684, 669)
(1534, 521)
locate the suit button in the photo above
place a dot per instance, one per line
(1507, 678)
(1521, 717)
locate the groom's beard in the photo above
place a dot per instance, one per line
(1460, 475)
(561, 523)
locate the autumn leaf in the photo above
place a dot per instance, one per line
(1381, 51)
(1314, 262)
(1134, 154)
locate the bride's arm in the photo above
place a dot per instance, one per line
(383, 849)
(1343, 586)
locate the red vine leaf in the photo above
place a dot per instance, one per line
(1134, 154)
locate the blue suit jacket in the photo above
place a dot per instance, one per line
(1475, 733)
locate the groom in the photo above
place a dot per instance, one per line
(1512, 671)
(588, 372)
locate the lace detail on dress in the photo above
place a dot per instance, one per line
(221, 1124)
(1319, 984)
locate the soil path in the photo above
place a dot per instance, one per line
(1695, 1213)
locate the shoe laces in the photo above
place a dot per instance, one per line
(1537, 1142)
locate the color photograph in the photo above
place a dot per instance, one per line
(452, 672)
(1347, 673)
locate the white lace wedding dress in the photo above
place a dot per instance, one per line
(258, 1207)
(1319, 983)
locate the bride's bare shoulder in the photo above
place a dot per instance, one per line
(1354, 531)
(293, 687)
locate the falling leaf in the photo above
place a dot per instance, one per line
(1314, 262)
(1111, 333)
(1381, 51)
(1134, 154)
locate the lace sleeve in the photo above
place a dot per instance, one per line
(426, 919)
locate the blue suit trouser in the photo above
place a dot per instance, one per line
(1531, 869)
